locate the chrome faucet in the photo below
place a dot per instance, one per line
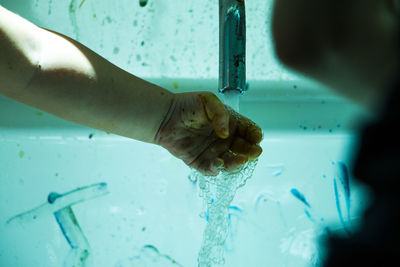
(232, 46)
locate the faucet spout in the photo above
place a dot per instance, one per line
(232, 46)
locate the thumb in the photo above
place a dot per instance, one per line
(216, 113)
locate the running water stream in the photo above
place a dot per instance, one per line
(217, 193)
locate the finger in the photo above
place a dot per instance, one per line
(217, 114)
(249, 130)
(241, 146)
(233, 161)
(217, 148)
(254, 134)
(209, 162)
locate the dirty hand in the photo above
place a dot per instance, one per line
(207, 135)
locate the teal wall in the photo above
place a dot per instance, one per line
(151, 215)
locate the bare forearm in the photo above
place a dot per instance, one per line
(96, 93)
(18, 52)
(74, 83)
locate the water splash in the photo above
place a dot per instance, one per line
(217, 193)
(301, 244)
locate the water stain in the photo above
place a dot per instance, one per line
(74, 235)
(50, 6)
(52, 197)
(309, 216)
(52, 204)
(262, 198)
(277, 169)
(342, 187)
(72, 17)
(338, 206)
(143, 3)
(345, 182)
(234, 216)
(66, 219)
(108, 19)
(21, 154)
(151, 256)
(296, 193)
(236, 208)
(83, 1)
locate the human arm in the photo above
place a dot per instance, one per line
(60, 76)
(54, 73)
(351, 46)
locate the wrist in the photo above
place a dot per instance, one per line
(165, 119)
(161, 104)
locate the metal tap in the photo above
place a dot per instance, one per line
(232, 46)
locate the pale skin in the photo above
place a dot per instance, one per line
(56, 74)
(350, 45)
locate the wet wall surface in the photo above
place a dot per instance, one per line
(160, 38)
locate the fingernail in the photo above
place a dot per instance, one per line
(255, 151)
(225, 132)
